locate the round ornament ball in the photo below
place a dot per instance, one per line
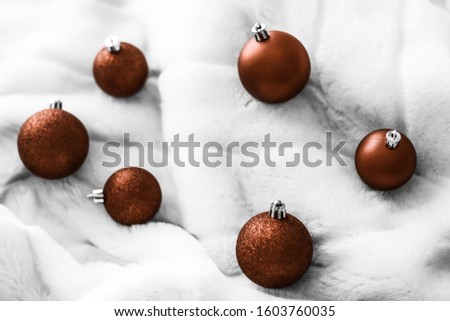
(385, 159)
(274, 249)
(131, 196)
(120, 69)
(273, 66)
(53, 143)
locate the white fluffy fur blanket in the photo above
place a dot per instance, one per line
(375, 64)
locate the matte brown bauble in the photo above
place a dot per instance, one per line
(120, 69)
(131, 196)
(53, 143)
(274, 249)
(273, 67)
(385, 159)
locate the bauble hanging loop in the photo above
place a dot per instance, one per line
(393, 137)
(277, 210)
(112, 43)
(53, 143)
(259, 32)
(385, 159)
(131, 196)
(97, 196)
(273, 66)
(120, 69)
(274, 249)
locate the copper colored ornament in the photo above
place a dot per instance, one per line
(53, 143)
(273, 66)
(120, 69)
(274, 249)
(131, 196)
(385, 159)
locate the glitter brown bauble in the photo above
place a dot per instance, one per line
(276, 69)
(274, 253)
(122, 73)
(132, 196)
(53, 143)
(383, 168)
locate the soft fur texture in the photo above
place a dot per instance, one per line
(375, 64)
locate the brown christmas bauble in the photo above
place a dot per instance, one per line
(131, 196)
(273, 67)
(274, 249)
(120, 69)
(53, 143)
(385, 159)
